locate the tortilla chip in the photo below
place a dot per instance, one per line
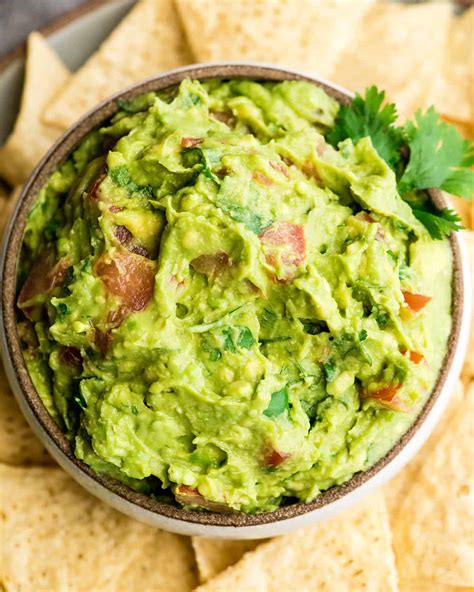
(147, 41)
(214, 555)
(61, 538)
(396, 490)
(454, 90)
(400, 49)
(433, 528)
(31, 138)
(350, 552)
(307, 35)
(467, 373)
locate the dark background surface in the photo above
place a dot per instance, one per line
(19, 17)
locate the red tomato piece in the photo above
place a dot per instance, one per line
(279, 167)
(284, 242)
(387, 396)
(95, 187)
(189, 496)
(44, 275)
(212, 264)
(261, 179)
(191, 142)
(273, 458)
(71, 356)
(130, 277)
(415, 302)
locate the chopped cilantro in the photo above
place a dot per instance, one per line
(438, 155)
(246, 339)
(274, 339)
(228, 341)
(214, 354)
(439, 223)
(134, 410)
(121, 176)
(364, 117)
(329, 371)
(278, 403)
(63, 309)
(268, 318)
(426, 153)
(363, 335)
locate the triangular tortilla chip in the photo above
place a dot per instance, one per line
(58, 537)
(214, 555)
(348, 553)
(454, 90)
(147, 41)
(395, 491)
(307, 35)
(433, 525)
(31, 138)
(400, 49)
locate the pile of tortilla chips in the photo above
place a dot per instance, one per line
(417, 534)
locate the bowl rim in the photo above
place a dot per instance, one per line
(29, 400)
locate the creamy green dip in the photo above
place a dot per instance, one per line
(222, 304)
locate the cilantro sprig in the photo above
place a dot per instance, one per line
(426, 153)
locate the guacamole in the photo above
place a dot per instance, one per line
(216, 303)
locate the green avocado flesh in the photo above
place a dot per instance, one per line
(216, 303)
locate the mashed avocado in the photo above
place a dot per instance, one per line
(216, 301)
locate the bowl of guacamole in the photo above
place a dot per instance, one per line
(217, 313)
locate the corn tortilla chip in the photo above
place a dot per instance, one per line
(307, 35)
(454, 90)
(350, 552)
(433, 530)
(58, 537)
(31, 138)
(214, 555)
(400, 49)
(147, 41)
(396, 490)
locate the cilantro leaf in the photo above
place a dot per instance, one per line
(437, 154)
(439, 223)
(364, 117)
(278, 403)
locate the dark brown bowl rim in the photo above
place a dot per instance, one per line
(12, 244)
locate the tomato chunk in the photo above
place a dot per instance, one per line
(71, 356)
(387, 396)
(415, 302)
(212, 264)
(261, 179)
(44, 276)
(191, 142)
(414, 356)
(130, 277)
(273, 458)
(285, 243)
(189, 496)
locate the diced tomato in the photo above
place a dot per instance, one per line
(44, 276)
(415, 302)
(71, 356)
(122, 234)
(285, 243)
(280, 168)
(387, 396)
(130, 277)
(95, 187)
(189, 496)
(191, 142)
(261, 179)
(365, 217)
(115, 209)
(414, 356)
(212, 264)
(273, 458)
(102, 340)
